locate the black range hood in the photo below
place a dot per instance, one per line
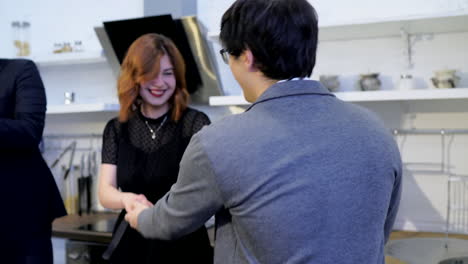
(202, 82)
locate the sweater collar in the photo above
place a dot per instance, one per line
(292, 88)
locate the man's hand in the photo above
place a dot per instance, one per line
(133, 211)
(129, 198)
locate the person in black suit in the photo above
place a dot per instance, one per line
(29, 195)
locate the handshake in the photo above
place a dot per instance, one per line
(134, 204)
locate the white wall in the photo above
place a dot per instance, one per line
(424, 200)
(62, 21)
(177, 8)
(340, 11)
(54, 21)
(343, 12)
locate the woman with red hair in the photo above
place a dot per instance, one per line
(142, 149)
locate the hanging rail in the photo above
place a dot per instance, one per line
(71, 136)
(77, 149)
(429, 131)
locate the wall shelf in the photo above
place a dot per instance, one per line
(72, 58)
(368, 96)
(411, 95)
(227, 100)
(446, 23)
(82, 108)
(442, 23)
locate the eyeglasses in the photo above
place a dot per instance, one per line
(224, 55)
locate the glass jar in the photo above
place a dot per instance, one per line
(78, 46)
(26, 43)
(69, 97)
(406, 82)
(16, 38)
(67, 47)
(370, 82)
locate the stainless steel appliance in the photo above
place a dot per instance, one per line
(84, 252)
(87, 245)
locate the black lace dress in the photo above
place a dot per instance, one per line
(150, 166)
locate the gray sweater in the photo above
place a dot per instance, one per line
(300, 177)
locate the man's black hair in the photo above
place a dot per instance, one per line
(282, 35)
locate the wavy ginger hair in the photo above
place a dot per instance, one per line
(141, 64)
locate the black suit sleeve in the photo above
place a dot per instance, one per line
(25, 129)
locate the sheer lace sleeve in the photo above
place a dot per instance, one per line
(200, 120)
(110, 142)
(193, 121)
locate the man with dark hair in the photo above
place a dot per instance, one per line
(301, 176)
(29, 195)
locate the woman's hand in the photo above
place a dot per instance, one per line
(134, 211)
(129, 198)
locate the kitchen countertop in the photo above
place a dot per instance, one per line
(77, 227)
(68, 227)
(71, 227)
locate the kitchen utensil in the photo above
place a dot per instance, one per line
(369, 82)
(69, 97)
(16, 35)
(70, 161)
(70, 147)
(84, 195)
(406, 82)
(70, 190)
(84, 185)
(26, 44)
(445, 79)
(331, 82)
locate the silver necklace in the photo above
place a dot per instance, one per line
(154, 132)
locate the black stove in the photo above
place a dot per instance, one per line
(102, 226)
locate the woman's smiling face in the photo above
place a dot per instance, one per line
(158, 91)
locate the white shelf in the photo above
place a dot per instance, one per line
(368, 96)
(61, 61)
(412, 95)
(72, 58)
(227, 100)
(453, 22)
(213, 36)
(82, 108)
(443, 23)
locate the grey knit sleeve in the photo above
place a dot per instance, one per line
(192, 200)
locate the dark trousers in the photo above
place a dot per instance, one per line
(27, 250)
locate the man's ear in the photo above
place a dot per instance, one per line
(249, 60)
